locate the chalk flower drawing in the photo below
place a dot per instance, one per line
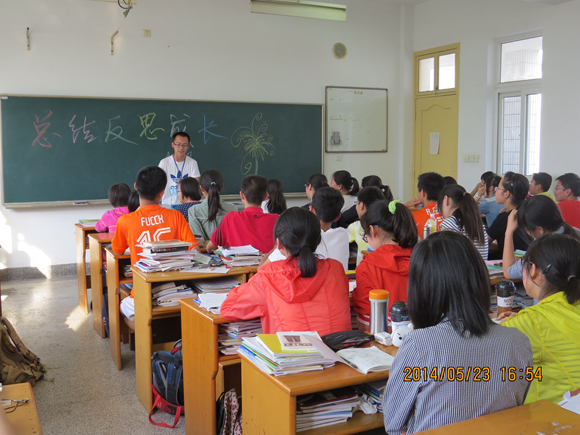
(254, 143)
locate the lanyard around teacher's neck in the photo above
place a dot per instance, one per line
(182, 166)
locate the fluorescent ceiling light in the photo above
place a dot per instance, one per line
(298, 8)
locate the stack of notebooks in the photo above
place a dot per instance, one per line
(165, 255)
(127, 272)
(265, 351)
(217, 285)
(375, 391)
(168, 294)
(88, 222)
(240, 256)
(230, 335)
(325, 409)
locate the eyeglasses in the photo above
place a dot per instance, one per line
(560, 188)
(498, 188)
(365, 239)
(181, 145)
(532, 184)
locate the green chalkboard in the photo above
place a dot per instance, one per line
(59, 150)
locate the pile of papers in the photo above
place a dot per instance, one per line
(230, 335)
(325, 409)
(375, 391)
(240, 255)
(165, 255)
(266, 352)
(88, 222)
(168, 294)
(217, 285)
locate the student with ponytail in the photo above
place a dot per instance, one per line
(461, 214)
(300, 293)
(538, 215)
(390, 230)
(276, 202)
(552, 275)
(315, 182)
(205, 217)
(375, 180)
(511, 192)
(347, 185)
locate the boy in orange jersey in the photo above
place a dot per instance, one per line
(150, 222)
(429, 186)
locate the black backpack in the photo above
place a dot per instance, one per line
(167, 370)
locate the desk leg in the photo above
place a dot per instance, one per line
(81, 270)
(97, 286)
(114, 312)
(200, 359)
(266, 408)
(143, 340)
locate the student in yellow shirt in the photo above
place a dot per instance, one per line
(540, 185)
(552, 275)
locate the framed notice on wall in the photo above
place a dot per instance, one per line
(356, 119)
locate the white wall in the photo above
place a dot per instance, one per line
(214, 50)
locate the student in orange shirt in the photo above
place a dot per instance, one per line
(390, 230)
(429, 186)
(150, 222)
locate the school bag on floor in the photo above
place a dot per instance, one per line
(17, 363)
(167, 370)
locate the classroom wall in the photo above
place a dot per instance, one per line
(207, 50)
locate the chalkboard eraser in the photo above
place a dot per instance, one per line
(80, 202)
(4, 97)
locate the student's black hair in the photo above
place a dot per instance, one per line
(570, 181)
(277, 202)
(492, 181)
(486, 174)
(327, 203)
(254, 188)
(190, 188)
(467, 212)
(151, 180)
(400, 224)
(375, 180)
(119, 195)
(317, 181)
(368, 195)
(183, 134)
(212, 182)
(543, 179)
(432, 183)
(517, 185)
(448, 278)
(556, 257)
(133, 203)
(542, 211)
(449, 181)
(347, 182)
(298, 231)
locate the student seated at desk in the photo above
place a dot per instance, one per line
(347, 185)
(275, 202)
(567, 193)
(391, 231)
(119, 198)
(251, 226)
(300, 293)
(150, 222)
(540, 185)
(449, 368)
(204, 218)
(189, 195)
(315, 182)
(537, 216)
(487, 204)
(133, 202)
(429, 186)
(552, 275)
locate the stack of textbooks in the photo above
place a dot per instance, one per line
(265, 351)
(375, 391)
(325, 409)
(215, 285)
(168, 294)
(127, 272)
(88, 222)
(230, 335)
(165, 255)
(240, 256)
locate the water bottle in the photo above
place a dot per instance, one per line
(400, 315)
(379, 300)
(504, 291)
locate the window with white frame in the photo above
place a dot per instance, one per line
(520, 105)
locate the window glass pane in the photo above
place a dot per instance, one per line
(533, 123)
(521, 60)
(511, 123)
(447, 71)
(427, 74)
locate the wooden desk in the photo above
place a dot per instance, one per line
(269, 405)
(115, 277)
(82, 244)
(25, 418)
(145, 314)
(531, 419)
(96, 242)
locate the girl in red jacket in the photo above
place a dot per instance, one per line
(302, 293)
(390, 230)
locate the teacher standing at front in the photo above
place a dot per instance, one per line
(177, 167)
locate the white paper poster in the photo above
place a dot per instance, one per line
(434, 143)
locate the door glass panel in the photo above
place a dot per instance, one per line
(533, 123)
(447, 71)
(427, 74)
(521, 60)
(512, 111)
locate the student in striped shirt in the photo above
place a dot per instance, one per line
(461, 214)
(552, 275)
(449, 368)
